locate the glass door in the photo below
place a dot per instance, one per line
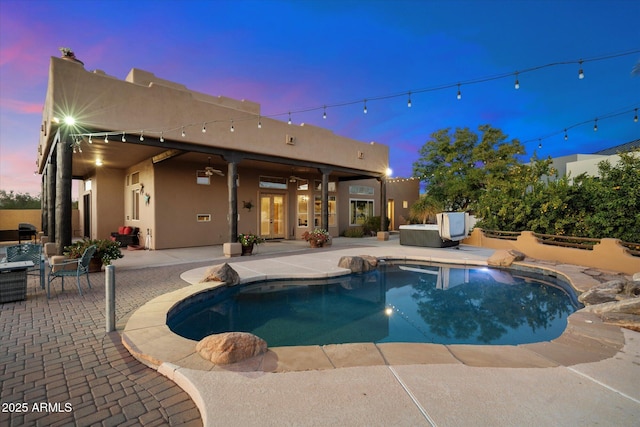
(272, 216)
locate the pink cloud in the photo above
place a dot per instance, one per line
(21, 106)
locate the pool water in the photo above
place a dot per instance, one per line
(420, 303)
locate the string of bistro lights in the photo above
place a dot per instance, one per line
(160, 133)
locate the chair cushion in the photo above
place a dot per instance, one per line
(121, 229)
(127, 230)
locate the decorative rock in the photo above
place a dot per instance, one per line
(222, 273)
(613, 290)
(636, 277)
(230, 347)
(504, 258)
(358, 264)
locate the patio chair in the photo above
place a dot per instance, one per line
(71, 267)
(28, 252)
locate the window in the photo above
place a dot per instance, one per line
(135, 205)
(135, 178)
(87, 185)
(203, 217)
(359, 211)
(318, 186)
(317, 211)
(202, 178)
(303, 185)
(361, 189)
(303, 211)
(273, 182)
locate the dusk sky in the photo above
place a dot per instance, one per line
(291, 56)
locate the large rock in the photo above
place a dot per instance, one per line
(358, 264)
(504, 257)
(616, 302)
(230, 347)
(613, 290)
(222, 273)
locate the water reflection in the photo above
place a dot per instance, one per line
(397, 303)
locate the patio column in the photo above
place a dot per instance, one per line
(232, 185)
(50, 176)
(44, 222)
(325, 198)
(63, 195)
(383, 204)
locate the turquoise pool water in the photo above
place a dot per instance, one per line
(423, 303)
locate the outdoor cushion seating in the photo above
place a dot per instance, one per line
(71, 267)
(28, 252)
(126, 235)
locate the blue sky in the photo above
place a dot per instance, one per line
(296, 55)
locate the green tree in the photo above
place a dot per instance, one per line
(13, 200)
(457, 166)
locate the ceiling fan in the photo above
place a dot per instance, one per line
(294, 178)
(209, 170)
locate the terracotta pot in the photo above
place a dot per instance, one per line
(247, 250)
(315, 244)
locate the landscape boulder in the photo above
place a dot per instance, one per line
(616, 302)
(222, 273)
(230, 347)
(504, 257)
(358, 264)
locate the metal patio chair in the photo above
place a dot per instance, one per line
(73, 267)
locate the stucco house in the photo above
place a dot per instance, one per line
(191, 169)
(576, 164)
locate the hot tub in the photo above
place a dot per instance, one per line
(426, 235)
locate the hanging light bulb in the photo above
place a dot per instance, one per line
(595, 126)
(459, 93)
(365, 107)
(635, 118)
(106, 139)
(162, 136)
(539, 143)
(90, 141)
(141, 135)
(79, 147)
(517, 83)
(409, 100)
(324, 112)
(580, 71)
(565, 135)
(289, 122)
(232, 129)
(204, 128)
(124, 137)
(183, 134)
(259, 122)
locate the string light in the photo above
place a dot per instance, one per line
(365, 107)
(183, 134)
(409, 100)
(90, 141)
(161, 136)
(540, 143)
(289, 122)
(517, 83)
(635, 118)
(580, 71)
(106, 139)
(141, 135)
(595, 126)
(565, 135)
(459, 93)
(204, 128)
(124, 137)
(324, 112)
(232, 128)
(259, 122)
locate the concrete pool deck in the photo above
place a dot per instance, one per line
(588, 376)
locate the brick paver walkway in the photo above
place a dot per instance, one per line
(58, 366)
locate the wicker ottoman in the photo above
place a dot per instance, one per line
(13, 281)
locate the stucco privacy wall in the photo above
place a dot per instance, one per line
(606, 255)
(10, 218)
(153, 104)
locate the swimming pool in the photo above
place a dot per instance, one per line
(417, 302)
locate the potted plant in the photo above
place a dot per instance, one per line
(316, 238)
(106, 251)
(248, 240)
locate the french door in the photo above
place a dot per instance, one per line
(272, 216)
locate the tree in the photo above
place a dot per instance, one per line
(13, 200)
(457, 166)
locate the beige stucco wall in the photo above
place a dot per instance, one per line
(401, 193)
(154, 105)
(10, 218)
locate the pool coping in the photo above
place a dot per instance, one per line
(586, 338)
